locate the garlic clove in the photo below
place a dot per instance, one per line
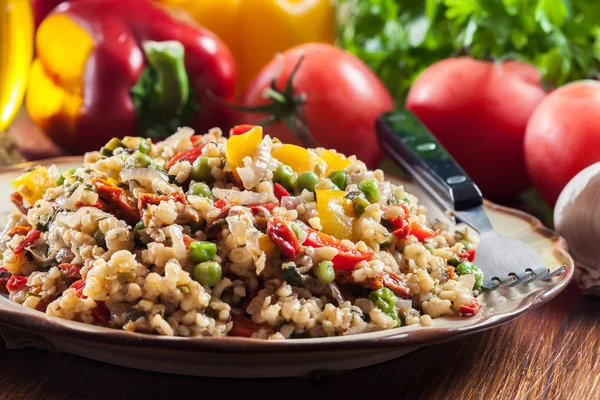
(577, 220)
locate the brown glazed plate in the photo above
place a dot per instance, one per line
(249, 358)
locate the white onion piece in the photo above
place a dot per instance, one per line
(577, 219)
(241, 198)
(403, 304)
(291, 202)
(145, 176)
(70, 202)
(252, 174)
(178, 246)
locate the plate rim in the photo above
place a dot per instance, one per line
(45, 325)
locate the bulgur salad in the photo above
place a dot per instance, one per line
(200, 235)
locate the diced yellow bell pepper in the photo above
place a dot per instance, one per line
(33, 183)
(335, 161)
(336, 213)
(300, 159)
(242, 146)
(265, 243)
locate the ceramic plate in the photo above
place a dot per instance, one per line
(243, 357)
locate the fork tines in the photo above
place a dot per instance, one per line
(529, 277)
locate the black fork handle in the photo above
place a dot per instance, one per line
(410, 144)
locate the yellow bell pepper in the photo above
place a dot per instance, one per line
(33, 183)
(300, 159)
(255, 30)
(242, 146)
(335, 161)
(336, 213)
(16, 51)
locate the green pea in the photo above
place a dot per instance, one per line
(100, 238)
(385, 299)
(136, 232)
(138, 160)
(284, 175)
(467, 267)
(338, 178)
(108, 149)
(208, 273)
(144, 146)
(200, 189)
(360, 205)
(202, 251)
(201, 171)
(325, 272)
(307, 180)
(61, 178)
(370, 189)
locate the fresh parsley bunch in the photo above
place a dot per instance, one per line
(400, 38)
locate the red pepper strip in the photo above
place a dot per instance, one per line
(4, 277)
(155, 199)
(422, 232)
(346, 259)
(195, 139)
(240, 129)
(469, 255)
(187, 240)
(243, 327)
(284, 237)
(256, 208)
(19, 230)
(402, 228)
(31, 237)
(279, 191)
(16, 282)
(224, 205)
(71, 271)
(116, 199)
(101, 313)
(97, 204)
(17, 200)
(189, 155)
(78, 286)
(472, 308)
(389, 280)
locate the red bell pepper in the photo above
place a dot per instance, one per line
(402, 228)
(101, 313)
(469, 255)
(391, 281)
(240, 129)
(472, 308)
(155, 199)
(31, 237)
(116, 199)
(279, 191)
(79, 286)
(71, 271)
(256, 208)
(132, 67)
(284, 237)
(190, 156)
(16, 282)
(243, 326)
(346, 259)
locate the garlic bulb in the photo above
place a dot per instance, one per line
(577, 219)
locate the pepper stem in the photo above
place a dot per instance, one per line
(170, 91)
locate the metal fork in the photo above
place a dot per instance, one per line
(504, 261)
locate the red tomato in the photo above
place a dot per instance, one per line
(479, 110)
(563, 137)
(343, 98)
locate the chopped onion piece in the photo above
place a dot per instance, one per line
(241, 198)
(145, 176)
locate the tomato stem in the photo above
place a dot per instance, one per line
(283, 106)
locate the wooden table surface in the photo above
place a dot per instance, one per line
(553, 352)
